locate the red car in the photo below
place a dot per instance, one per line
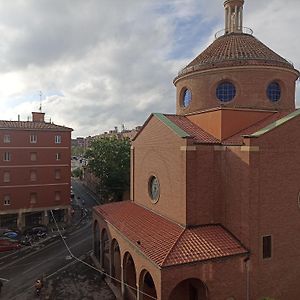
(7, 244)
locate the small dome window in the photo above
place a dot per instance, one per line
(225, 91)
(274, 91)
(186, 98)
(153, 188)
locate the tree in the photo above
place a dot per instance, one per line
(109, 160)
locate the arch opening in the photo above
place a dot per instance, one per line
(115, 262)
(147, 286)
(96, 241)
(190, 289)
(105, 251)
(129, 277)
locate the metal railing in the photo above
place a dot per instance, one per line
(245, 30)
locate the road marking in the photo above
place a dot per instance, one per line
(28, 255)
(4, 279)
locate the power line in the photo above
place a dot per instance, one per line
(92, 267)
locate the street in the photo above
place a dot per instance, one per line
(49, 258)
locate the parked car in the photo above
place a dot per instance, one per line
(34, 230)
(7, 245)
(12, 235)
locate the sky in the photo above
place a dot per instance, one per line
(106, 63)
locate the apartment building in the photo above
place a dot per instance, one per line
(35, 172)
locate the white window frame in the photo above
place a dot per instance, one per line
(57, 174)
(33, 139)
(33, 198)
(57, 139)
(6, 138)
(6, 200)
(33, 155)
(6, 156)
(58, 156)
(33, 175)
(57, 196)
(6, 176)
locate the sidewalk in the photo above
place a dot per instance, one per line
(76, 282)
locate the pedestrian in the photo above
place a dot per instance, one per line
(38, 286)
(1, 285)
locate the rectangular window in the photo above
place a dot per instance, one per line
(33, 175)
(6, 176)
(33, 138)
(6, 156)
(267, 246)
(33, 156)
(57, 139)
(33, 198)
(58, 156)
(57, 196)
(6, 139)
(6, 199)
(57, 174)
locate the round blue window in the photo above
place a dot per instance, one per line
(225, 91)
(274, 91)
(186, 98)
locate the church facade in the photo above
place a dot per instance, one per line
(215, 193)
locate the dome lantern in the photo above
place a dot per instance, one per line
(233, 16)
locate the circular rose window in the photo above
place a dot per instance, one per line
(225, 91)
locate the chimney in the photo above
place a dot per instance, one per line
(38, 117)
(19, 118)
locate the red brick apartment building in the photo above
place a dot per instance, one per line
(215, 191)
(35, 172)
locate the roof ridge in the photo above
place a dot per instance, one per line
(275, 124)
(173, 246)
(260, 121)
(171, 125)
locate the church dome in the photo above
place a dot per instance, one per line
(237, 71)
(235, 49)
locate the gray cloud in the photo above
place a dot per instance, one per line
(103, 63)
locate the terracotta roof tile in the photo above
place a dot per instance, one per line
(167, 243)
(237, 139)
(236, 50)
(196, 133)
(156, 234)
(29, 125)
(204, 243)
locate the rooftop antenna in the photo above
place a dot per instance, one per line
(40, 108)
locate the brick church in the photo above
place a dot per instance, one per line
(215, 191)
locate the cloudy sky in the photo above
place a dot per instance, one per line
(103, 63)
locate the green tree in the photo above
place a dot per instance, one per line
(109, 160)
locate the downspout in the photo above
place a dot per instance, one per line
(247, 266)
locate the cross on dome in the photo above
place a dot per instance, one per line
(233, 16)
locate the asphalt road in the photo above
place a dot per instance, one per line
(22, 268)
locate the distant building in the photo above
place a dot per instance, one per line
(89, 179)
(215, 192)
(35, 172)
(115, 133)
(78, 142)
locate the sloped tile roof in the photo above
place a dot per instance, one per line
(167, 243)
(155, 234)
(198, 135)
(29, 125)
(195, 132)
(237, 139)
(236, 49)
(204, 243)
